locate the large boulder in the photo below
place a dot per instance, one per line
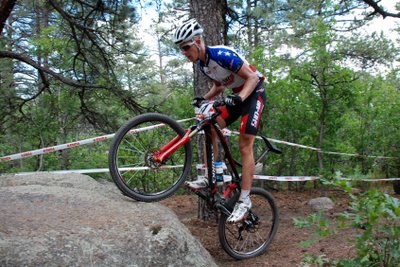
(73, 220)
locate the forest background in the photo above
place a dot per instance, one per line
(72, 70)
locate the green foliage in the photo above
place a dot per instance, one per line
(312, 260)
(323, 85)
(377, 215)
(319, 223)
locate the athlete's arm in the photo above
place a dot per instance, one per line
(251, 80)
(215, 90)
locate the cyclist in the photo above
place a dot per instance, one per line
(227, 69)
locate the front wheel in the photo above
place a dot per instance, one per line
(251, 237)
(130, 158)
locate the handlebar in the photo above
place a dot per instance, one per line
(218, 103)
(207, 111)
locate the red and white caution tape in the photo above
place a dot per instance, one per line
(371, 180)
(227, 178)
(286, 178)
(226, 132)
(103, 170)
(325, 152)
(329, 152)
(55, 148)
(74, 144)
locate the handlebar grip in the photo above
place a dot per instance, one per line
(219, 103)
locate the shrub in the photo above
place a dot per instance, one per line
(377, 214)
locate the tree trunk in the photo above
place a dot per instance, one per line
(211, 15)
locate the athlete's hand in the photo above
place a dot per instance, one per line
(197, 101)
(233, 100)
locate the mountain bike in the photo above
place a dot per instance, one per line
(151, 156)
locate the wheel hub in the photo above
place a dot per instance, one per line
(151, 162)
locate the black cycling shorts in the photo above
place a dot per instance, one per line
(250, 110)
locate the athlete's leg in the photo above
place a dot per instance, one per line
(253, 108)
(246, 143)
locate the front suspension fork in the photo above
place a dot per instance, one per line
(173, 145)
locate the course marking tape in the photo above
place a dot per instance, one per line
(55, 148)
(103, 170)
(226, 132)
(370, 180)
(319, 150)
(226, 177)
(74, 144)
(286, 178)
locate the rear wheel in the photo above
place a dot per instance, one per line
(130, 158)
(251, 237)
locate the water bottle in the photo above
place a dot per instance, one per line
(219, 173)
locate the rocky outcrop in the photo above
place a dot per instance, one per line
(73, 220)
(321, 204)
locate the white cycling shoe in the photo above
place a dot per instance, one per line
(240, 211)
(200, 183)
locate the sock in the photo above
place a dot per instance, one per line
(245, 196)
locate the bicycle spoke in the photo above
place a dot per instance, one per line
(132, 165)
(252, 236)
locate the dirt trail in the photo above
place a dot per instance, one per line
(285, 249)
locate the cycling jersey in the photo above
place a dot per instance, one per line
(222, 65)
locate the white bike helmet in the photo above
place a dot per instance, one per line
(187, 31)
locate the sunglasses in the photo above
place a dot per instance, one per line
(186, 47)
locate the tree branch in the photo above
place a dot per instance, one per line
(379, 10)
(5, 10)
(58, 76)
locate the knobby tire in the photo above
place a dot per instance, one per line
(256, 237)
(130, 150)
